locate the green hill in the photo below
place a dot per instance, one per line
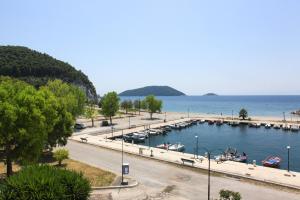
(153, 90)
(37, 68)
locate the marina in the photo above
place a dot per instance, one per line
(256, 140)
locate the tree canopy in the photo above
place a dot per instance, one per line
(126, 105)
(32, 119)
(110, 105)
(153, 105)
(243, 113)
(38, 68)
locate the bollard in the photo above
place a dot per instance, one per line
(254, 163)
(151, 155)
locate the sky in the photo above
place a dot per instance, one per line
(232, 47)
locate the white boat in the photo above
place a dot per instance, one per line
(268, 126)
(202, 121)
(286, 127)
(176, 147)
(277, 126)
(294, 128)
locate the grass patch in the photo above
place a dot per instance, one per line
(96, 176)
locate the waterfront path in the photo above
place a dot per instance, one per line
(270, 175)
(160, 180)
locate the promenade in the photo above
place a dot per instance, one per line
(247, 171)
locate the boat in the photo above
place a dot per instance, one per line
(234, 123)
(201, 121)
(286, 127)
(164, 146)
(232, 155)
(294, 128)
(177, 147)
(241, 158)
(268, 126)
(138, 138)
(272, 161)
(210, 122)
(277, 126)
(219, 123)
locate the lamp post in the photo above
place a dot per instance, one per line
(165, 116)
(209, 152)
(188, 112)
(122, 183)
(288, 148)
(129, 122)
(112, 130)
(197, 148)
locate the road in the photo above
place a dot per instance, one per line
(160, 180)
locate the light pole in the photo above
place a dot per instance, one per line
(188, 112)
(122, 183)
(165, 116)
(288, 148)
(197, 149)
(129, 122)
(112, 130)
(208, 157)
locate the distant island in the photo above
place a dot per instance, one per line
(153, 90)
(210, 94)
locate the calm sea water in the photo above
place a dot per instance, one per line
(256, 105)
(257, 143)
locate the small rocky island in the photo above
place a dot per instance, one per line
(153, 90)
(210, 94)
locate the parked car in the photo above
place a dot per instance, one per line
(79, 126)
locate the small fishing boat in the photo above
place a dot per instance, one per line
(286, 127)
(201, 121)
(272, 161)
(138, 138)
(277, 126)
(164, 146)
(211, 122)
(177, 147)
(234, 123)
(219, 123)
(294, 128)
(268, 126)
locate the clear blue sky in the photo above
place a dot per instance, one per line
(227, 47)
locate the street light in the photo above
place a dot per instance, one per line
(197, 149)
(209, 152)
(122, 183)
(288, 148)
(129, 121)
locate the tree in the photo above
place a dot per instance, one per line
(90, 112)
(110, 105)
(153, 105)
(144, 105)
(71, 104)
(229, 195)
(60, 155)
(137, 105)
(26, 118)
(243, 113)
(126, 105)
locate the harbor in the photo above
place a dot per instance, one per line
(217, 135)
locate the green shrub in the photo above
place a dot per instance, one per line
(229, 195)
(45, 182)
(60, 155)
(105, 123)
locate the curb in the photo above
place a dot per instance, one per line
(201, 168)
(116, 187)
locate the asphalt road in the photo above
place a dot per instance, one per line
(160, 180)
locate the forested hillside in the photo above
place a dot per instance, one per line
(37, 68)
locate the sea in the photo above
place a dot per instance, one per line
(257, 143)
(225, 105)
